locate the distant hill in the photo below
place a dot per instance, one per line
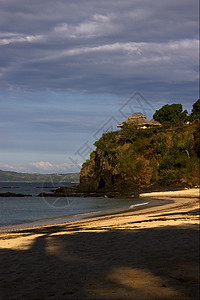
(8, 176)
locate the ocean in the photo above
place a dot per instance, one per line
(48, 210)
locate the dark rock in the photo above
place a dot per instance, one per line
(8, 194)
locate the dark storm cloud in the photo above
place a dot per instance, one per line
(40, 16)
(98, 46)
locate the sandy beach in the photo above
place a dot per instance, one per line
(152, 253)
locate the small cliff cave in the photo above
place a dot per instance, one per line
(112, 180)
(101, 183)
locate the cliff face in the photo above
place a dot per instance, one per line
(135, 158)
(98, 173)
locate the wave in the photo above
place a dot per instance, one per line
(139, 204)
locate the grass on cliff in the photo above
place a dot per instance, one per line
(153, 155)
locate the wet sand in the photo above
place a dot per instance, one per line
(152, 253)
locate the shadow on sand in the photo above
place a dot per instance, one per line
(113, 264)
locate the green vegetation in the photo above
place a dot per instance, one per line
(196, 110)
(7, 176)
(172, 114)
(168, 154)
(165, 155)
(169, 115)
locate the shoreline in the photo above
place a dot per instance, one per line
(81, 216)
(147, 253)
(155, 199)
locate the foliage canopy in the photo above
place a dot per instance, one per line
(196, 109)
(170, 113)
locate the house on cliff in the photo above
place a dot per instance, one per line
(140, 121)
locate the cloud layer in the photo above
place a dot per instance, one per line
(67, 67)
(98, 46)
(42, 167)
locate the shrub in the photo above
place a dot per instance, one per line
(167, 163)
(128, 133)
(169, 177)
(107, 142)
(170, 113)
(161, 149)
(86, 163)
(195, 110)
(196, 135)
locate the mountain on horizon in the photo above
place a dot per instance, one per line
(11, 176)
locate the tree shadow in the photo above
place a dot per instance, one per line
(194, 212)
(116, 264)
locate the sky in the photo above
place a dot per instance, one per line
(72, 70)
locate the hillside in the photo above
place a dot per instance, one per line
(8, 176)
(153, 158)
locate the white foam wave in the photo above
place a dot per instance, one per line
(139, 204)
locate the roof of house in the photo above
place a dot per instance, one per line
(140, 120)
(136, 116)
(156, 123)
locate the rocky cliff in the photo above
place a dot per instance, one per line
(134, 159)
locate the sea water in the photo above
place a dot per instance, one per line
(19, 210)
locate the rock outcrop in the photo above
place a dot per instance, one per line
(9, 194)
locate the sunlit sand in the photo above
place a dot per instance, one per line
(151, 253)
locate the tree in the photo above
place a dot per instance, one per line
(196, 110)
(173, 114)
